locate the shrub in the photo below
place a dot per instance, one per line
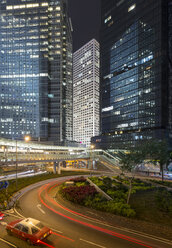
(117, 194)
(97, 181)
(118, 208)
(92, 201)
(79, 184)
(107, 182)
(78, 179)
(78, 194)
(141, 188)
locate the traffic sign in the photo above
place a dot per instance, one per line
(4, 185)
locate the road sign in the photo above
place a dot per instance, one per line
(4, 185)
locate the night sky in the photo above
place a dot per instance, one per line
(85, 15)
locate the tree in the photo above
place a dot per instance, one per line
(157, 152)
(129, 163)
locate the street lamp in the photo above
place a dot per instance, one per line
(91, 163)
(16, 166)
(26, 138)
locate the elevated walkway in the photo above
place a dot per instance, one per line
(32, 152)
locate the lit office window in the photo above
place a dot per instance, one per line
(131, 7)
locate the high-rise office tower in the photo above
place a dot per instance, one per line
(136, 72)
(86, 92)
(35, 70)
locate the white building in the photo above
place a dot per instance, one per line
(86, 92)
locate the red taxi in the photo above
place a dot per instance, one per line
(31, 230)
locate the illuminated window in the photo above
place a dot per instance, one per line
(131, 7)
(44, 4)
(107, 19)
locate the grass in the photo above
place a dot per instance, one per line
(144, 203)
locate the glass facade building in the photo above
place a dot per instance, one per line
(35, 70)
(136, 87)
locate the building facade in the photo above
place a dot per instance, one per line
(36, 70)
(86, 92)
(136, 86)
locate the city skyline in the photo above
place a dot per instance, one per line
(86, 123)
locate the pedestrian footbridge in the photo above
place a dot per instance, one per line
(20, 152)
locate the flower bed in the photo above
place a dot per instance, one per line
(78, 194)
(87, 195)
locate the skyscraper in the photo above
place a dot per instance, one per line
(35, 70)
(136, 70)
(86, 92)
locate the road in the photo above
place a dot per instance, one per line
(71, 229)
(21, 174)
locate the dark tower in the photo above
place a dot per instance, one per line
(36, 70)
(136, 87)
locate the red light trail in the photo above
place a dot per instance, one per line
(121, 236)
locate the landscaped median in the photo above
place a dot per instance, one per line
(6, 195)
(84, 194)
(147, 202)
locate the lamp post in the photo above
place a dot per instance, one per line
(26, 138)
(16, 167)
(91, 162)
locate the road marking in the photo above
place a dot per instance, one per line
(89, 242)
(55, 230)
(3, 240)
(162, 240)
(59, 235)
(39, 207)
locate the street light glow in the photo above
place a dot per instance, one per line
(27, 138)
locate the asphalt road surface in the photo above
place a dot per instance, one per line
(70, 229)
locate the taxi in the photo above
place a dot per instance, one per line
(29, 229)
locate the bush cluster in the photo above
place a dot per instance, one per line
(78, 194)
(86, 195)
(114, 207)
(78, 180)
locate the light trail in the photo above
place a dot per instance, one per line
(41, 242)
(121, 236)
(69, 210)
(63, 236)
